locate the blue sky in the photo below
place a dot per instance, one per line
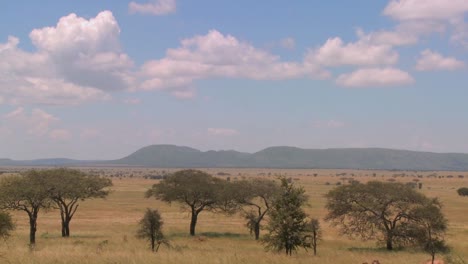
(99, 79)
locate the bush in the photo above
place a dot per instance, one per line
(463, 191)
(150, 228)
(6, 225)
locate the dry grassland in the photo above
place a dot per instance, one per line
(103, 230)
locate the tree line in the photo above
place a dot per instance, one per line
(391, 213)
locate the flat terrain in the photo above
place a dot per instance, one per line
(103, 231)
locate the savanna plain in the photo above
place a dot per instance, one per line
(103, 230)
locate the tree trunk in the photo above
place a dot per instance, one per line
(32, 230)
(257, 230)
(389, 242)
(152, 243)
(66, 228)
(193, 222)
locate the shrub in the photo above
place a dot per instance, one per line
(463, 191)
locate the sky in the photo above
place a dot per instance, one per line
(99, 79)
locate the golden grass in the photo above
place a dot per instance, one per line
(103, 230)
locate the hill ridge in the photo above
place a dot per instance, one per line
(174, 156)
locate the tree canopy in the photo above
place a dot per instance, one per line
(255, 197)
(195, 189)
(27, 192)
(68, 186)
(384, 211)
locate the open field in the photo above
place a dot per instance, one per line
(103, 230)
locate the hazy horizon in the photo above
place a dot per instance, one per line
(101, 79)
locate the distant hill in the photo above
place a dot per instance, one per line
(170, 156)
(291, 157)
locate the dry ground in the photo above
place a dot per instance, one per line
(103, 230)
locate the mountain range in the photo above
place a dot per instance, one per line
(171, 156)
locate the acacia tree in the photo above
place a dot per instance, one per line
(256, 197)
(150, 228)
(26, 193)
(287, 228)
(375, 210)
(67, 187)
(195, 190)
(6, 225)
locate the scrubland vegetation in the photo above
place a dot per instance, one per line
(105, 230)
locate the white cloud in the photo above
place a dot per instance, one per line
(222, 132)
(154, 7)
(426, 16)
(37, 123)
(86, 52)
(336, 53)
(425, 9)
(430, 60)
(375, 77)
(60, 134)
(215, 55)
(77, 60)
(399, 37)
(288, 43)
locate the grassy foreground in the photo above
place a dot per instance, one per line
(103, 231)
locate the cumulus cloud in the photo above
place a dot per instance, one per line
(75, 61)
(361, 53)
(375, 77)
(86, 52)
(425, 9)
(398, 37)
(222, 132)
(431, 60)
(154, 7)
(215, 55)
(425, 16)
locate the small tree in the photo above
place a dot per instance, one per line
(287, 229)
(430, 229)
(67, 187)
(26, 193)
(255, 197)
(313, 227)
(463, 191)
(150, 228)
(195, 189)
(6, 225)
